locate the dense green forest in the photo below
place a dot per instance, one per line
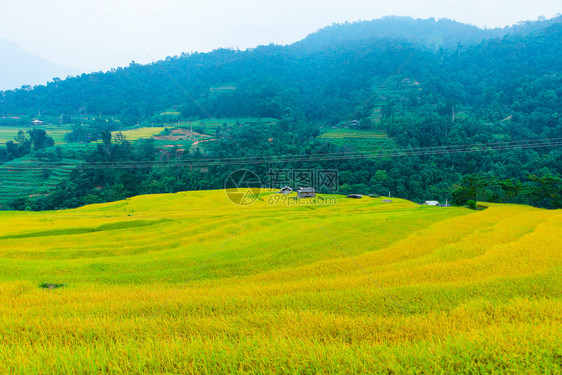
(473, 113)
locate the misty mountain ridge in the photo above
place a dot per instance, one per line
(19, 67)
(442, 33)
(227, 66)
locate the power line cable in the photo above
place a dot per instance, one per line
(269, 159)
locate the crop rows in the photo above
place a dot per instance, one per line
(191, 283)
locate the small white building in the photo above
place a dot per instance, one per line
(37, 122)
(431, 203)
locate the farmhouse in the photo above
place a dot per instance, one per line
(431, 203)
(306, 192)
(355, 196)
(37, 122)
(285, 190)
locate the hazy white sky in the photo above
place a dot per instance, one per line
(90, 35)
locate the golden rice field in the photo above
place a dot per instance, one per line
(136, 134)
(190, 283)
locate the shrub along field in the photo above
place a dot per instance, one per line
(191, 283)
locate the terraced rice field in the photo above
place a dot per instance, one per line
(191, 283)
(362, 140)
(354, 134)
(28, 175)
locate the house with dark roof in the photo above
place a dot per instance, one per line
(285, 190)
(306, 192)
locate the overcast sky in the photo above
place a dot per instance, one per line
(91, 35)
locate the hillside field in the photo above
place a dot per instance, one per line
(361, 140)
(136, 134)
(191, 283)
(32, 176)
(8, 133)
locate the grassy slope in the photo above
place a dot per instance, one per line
(153, 287)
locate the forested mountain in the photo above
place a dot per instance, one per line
(435, 34)
(430, 33)
(408, 78)
(273, 80)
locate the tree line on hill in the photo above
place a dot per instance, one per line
(21, 145)
(118, 169)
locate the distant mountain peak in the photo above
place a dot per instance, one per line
(19, 67)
